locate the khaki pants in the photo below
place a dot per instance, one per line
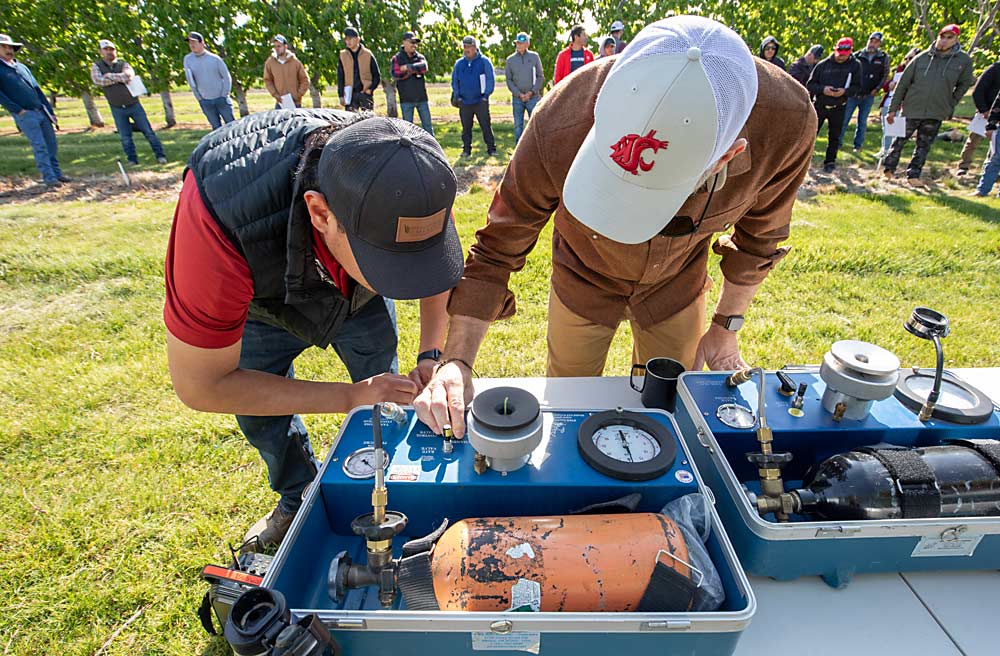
(579, 347)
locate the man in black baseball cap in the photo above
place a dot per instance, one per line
(328, 215)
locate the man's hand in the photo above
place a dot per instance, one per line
(719, 349)
(342, 101)
(404, 67)
(444, 399)
(22, 112)
(890, 118)
(384, 387)
(828, 90)
(422, 373)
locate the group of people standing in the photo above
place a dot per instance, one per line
(923, 91)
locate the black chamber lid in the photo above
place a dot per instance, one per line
(505, 408)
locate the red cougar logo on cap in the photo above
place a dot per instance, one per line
(627, 153)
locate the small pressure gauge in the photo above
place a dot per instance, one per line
(735, 416)
(361, 463)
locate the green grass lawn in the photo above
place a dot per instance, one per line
(113, 494)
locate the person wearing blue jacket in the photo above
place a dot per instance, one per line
(23, 98)
(471, 85)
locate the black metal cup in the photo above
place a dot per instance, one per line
(659, 385)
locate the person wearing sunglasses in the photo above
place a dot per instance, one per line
(769, 52)
(926, 95)
(638, 160)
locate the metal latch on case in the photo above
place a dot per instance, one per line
(703, 440)
(669, 625)
(348, 624)
(836, 532)
(501, 627)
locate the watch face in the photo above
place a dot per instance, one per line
(734, 323)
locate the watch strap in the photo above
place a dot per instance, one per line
(432, 354)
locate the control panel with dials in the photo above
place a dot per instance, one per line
(583, 457)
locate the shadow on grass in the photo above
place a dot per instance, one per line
(970, 208)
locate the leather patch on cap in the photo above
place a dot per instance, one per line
(419, 228)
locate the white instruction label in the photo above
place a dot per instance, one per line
(964, 545)
(514, 641)
(526, 596)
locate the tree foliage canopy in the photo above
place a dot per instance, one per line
(61, 35)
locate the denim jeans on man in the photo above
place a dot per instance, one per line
(124, 118)
(992, 168)
(520, 107)
(365, 343)
(217, 111)
(423, 110)
(35, 125)
(864, 107)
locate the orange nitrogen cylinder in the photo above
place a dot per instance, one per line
(587, 563)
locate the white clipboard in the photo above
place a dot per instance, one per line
(895, 129)
(136, 87)
(347, 95)
(287, 102)
(978, 125)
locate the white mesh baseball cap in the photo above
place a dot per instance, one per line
(672, 105)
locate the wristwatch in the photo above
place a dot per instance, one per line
(731, 323)
(433, 354)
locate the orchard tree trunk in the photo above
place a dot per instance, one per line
(389, 86)
(314, 92)
(93, 113)
(53, 99)
(241, 98)
(168, 108)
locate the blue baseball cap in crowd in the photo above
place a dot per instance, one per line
(522, 37)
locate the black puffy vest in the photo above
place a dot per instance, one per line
(245, 175)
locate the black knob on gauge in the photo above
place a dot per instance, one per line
(787, 384)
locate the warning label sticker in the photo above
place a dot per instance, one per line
(404, 473)
(514, 641)
(963, 545)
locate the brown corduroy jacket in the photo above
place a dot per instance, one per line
(598, 278)
(289, 77)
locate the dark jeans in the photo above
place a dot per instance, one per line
(481, 111)
(217, 111)
(124, 118)
(365, 343)
(520, 107)
(864, 106)
(834, 115)
(423, 110)
(37, 127)
(926, 129)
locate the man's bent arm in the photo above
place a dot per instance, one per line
(210, 380)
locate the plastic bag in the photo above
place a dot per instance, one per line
(690, 513)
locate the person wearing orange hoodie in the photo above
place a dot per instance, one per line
(575, 55)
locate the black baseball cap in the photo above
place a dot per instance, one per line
(350, 31)
(391, 188)
(410, 36)
(195, 36)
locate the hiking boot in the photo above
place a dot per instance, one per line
(829, 167)
(916, 182)
(491, 152)
(889, 175)
(269, 531)
(133, 162)
(63, 178)
(52, 183)
(857, 149)
(961, 172)
(466, 153)
(161, 160)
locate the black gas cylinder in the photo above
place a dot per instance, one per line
(883, 482)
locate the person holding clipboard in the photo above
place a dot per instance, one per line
(121, 88)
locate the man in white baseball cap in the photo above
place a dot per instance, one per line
(639, 159)
(616, 30)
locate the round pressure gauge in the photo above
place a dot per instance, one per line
(626, 445)
(361, 463)
(735, 416)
